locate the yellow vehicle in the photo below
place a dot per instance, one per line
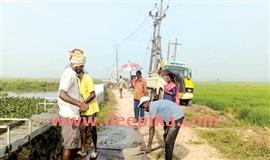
(155, 82)
(186, 73)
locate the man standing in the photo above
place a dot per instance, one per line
(88, 95)
(172, 116)
(70, 105)
(121, 85)
(140, 91)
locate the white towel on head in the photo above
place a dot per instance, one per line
(77, 57)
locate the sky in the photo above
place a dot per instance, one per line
(225, 40)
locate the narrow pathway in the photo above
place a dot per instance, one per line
(185, 148)
(114, 140)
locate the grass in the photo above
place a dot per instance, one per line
(29, 85)
(246, 101)
(195, 142)
(234, 147)
(32, 85)
(245, 106)
(108, 106)
(19, 107)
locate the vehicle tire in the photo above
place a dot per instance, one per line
(148, 92)
(189, 102)
(182, 102)
(161, 94)
(151, 94)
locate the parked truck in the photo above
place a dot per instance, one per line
(155, 82)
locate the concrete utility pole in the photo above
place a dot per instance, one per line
(168, 52)
(156, 55)
(175, 48)
(116, 58)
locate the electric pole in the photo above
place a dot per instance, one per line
(175, 48)
(116, 58)
(156, 55)
(168, 52)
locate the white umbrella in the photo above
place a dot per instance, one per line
(130, 67)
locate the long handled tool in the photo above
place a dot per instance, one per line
(153, 149)
(106, 148)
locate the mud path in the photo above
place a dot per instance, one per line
(188, 146)
(113, 140)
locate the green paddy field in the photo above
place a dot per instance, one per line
(246, 101)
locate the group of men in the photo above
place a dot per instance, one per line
(140, 90)
(77, 98)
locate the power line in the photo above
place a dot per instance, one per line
(139, 34)
(139, 27)
(147, 49)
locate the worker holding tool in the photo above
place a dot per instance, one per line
(172, 116)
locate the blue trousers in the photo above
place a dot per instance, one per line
(138, 112)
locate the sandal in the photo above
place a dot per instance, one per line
(94, 155)
(82, 154)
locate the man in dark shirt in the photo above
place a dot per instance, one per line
(172, 116)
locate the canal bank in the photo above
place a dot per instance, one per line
(35, 137)
(45, 141)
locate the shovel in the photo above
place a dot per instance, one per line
(143, 149)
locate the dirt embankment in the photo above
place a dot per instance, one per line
(188, 146)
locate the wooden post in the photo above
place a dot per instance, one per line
(37, 108)
(45, 107)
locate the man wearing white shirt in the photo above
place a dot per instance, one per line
(69, 103)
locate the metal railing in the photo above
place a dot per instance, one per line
(16, 119)
(44, 104)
